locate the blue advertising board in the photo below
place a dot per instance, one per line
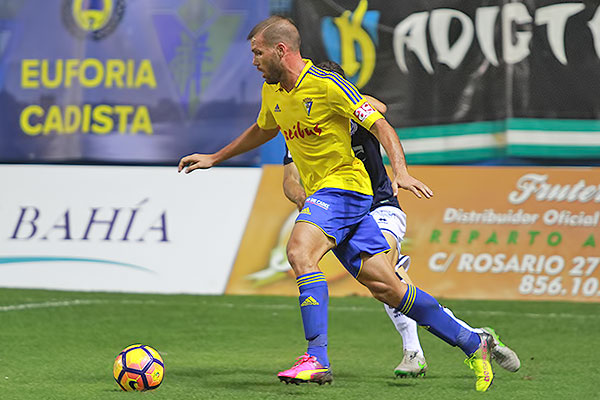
(126, 81)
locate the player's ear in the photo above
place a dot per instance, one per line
(280, 49)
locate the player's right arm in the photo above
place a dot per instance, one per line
(250, 139)
(264, 129)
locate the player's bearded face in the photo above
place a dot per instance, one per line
(271, 69)
(266, 61)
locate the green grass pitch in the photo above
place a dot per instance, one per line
(61, 345)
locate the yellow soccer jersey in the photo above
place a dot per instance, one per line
(314, 117)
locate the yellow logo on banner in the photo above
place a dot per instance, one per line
(352, 34)
(92, 19)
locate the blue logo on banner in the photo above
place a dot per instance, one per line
(194, 42)
(8, 25)
(5, 35)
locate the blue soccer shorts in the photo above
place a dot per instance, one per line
(344, 216)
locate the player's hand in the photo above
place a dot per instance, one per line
(300, 202)
(195, 161)
(411, 184)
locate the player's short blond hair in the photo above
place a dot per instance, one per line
(277, 29)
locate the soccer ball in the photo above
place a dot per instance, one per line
(138, 368)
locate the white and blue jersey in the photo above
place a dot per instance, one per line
(366, 149)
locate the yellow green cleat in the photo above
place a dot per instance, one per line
(480, 363)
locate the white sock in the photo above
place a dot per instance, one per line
(407, 328)
(460, 321)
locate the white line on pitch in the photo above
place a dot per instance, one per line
(48, 304)
(81, 302)
(66, 303)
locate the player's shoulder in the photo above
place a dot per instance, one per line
(327, 78)
(336, 84)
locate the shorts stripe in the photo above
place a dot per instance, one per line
(299, 219)
(391, 233)
(410, 300)
(361, 261)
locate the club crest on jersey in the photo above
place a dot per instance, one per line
(277, 109)
(308, 102)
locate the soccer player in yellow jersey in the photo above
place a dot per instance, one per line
(312, 108)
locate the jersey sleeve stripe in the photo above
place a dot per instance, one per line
(350, 95)
(301, 79)
(342, 83)
(341, 79)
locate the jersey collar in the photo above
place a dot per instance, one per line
(308, 64)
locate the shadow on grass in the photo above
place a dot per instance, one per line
(257, 381)
(214, 372)
(114, 390)
(405, 383)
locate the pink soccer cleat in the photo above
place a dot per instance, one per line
(306, 369)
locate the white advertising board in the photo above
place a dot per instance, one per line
(129, 229)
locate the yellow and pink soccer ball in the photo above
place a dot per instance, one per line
(138, 368)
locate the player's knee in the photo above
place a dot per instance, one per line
(385, 293)
(299, 260)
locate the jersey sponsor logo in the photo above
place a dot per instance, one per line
(318, 203)
(308, 102)
(296, 132)
(277, 109)
(310, 301)
(363, 112)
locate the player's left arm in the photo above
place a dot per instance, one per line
(378, 104)
(387, 136)
(345, 99)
